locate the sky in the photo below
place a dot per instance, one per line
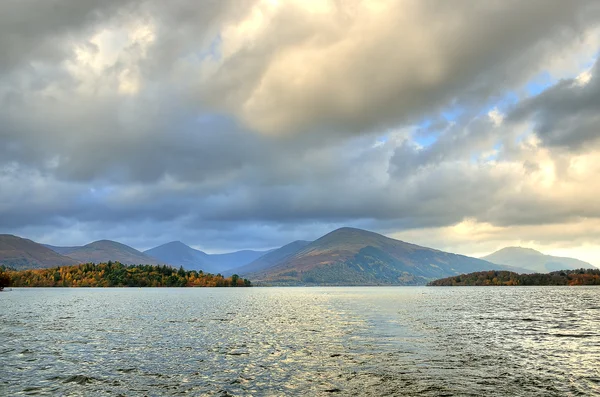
(464, 126)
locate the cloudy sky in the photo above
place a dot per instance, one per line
(460, 125)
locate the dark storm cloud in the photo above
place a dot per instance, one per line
(236, 125)
(455, 142)
(565, 115)
(33, 31)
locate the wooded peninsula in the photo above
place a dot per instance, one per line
(115, 274)
(499, 278)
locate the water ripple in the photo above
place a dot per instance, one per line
(301, 341)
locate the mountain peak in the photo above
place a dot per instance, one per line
(532, 260)
(174, 247)
(104, 243)
(12, 237)
(351, 233)
(349, 230)
(352, 238)
(524, 250)
(175, 244)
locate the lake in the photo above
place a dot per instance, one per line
(372, 341)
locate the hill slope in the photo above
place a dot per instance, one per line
(533, 260)
(105, 250)
(21, 254)
(350, 256)
(270, 259)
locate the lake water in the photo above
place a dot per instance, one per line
(426, 341)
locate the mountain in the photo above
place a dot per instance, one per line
(106, 250)
(270, 259)
(22, 254)
(349, 256)
(533, 260)
(177, 253)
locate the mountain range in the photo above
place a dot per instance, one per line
(534, 261)
(345, 256)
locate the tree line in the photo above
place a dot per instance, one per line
(115, 274)
(502, 277)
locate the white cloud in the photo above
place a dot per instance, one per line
(576, 239)
(583, 78)
(287, 67)
(496, 116)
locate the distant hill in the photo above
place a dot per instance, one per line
(177, 253)
(21, 254)
(225, 262)
(349, 256)
(105, 250)
(270, 259)
(61, 250)
(506, 278)
(533, 260)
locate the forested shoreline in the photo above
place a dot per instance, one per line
(507, 278)
(115, 274)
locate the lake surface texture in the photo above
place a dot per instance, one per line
(426, 341)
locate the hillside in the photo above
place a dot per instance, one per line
(177, 253)
(106, 250)
(506, 278)
(20, 253)
(349, 256)
(534, 261)
(270, 259)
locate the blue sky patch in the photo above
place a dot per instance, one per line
(539, 83)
